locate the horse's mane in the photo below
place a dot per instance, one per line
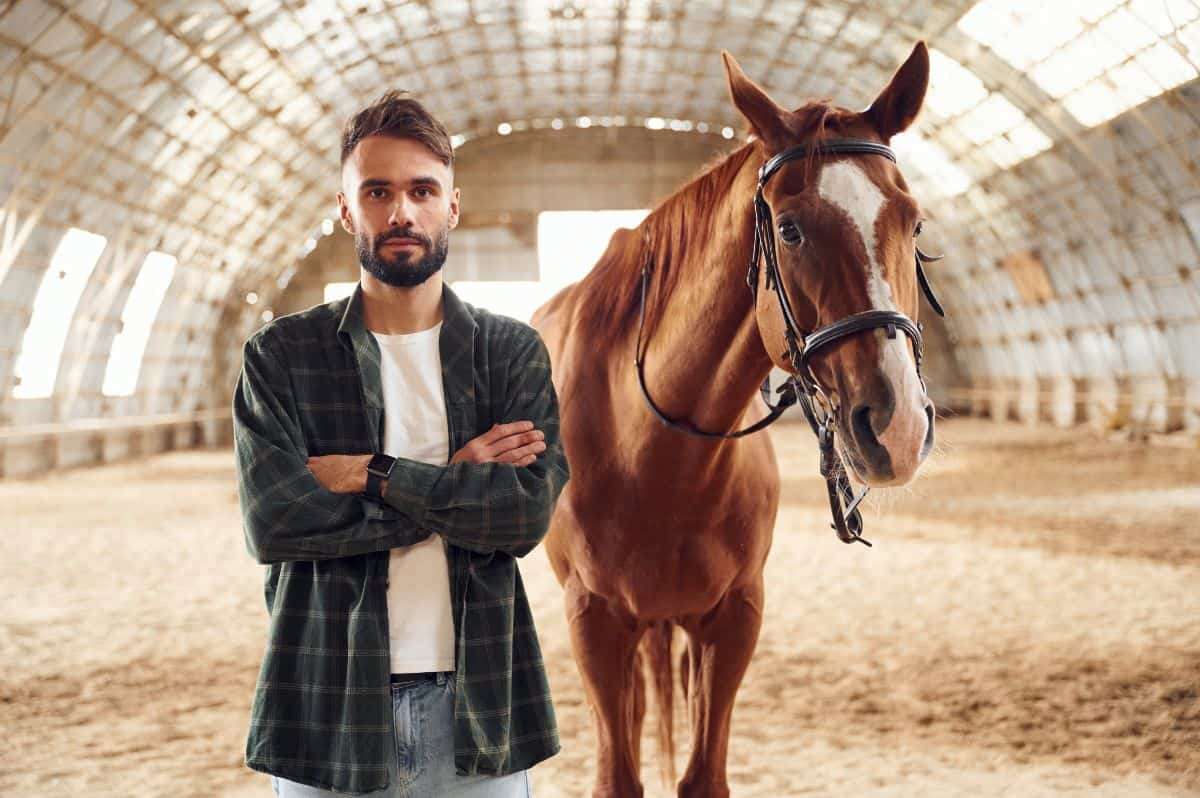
(613, 287)
(610, 294)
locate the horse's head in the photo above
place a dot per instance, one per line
(844, 228)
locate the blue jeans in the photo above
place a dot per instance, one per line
(424, 763)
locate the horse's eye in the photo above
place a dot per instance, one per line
(920, 227)
(790, 233)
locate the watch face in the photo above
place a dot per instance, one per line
(380, 465)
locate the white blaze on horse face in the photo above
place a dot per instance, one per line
(845, 185)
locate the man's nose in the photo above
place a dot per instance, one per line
(403, 214)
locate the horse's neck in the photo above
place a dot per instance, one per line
(705, 360)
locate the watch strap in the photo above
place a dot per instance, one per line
(379, 467)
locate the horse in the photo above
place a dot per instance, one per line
(658, 530)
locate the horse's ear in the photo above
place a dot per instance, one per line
(897, 106)
(766, 118)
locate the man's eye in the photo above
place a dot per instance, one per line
(423, 192)
(790, 232)
(920, 227)
(375, 193)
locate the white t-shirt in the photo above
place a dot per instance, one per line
(420, 621)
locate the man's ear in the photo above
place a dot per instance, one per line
(897, 106)
(766, 118)
(344, 213)
(454, 212)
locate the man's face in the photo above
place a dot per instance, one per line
(399, 203)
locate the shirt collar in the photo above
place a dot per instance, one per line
(457, 320)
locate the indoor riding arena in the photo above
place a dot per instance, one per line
(1025, 622)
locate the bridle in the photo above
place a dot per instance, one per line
(802, 386)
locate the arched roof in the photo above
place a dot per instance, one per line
(1057, 151)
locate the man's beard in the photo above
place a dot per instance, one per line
(401, 270)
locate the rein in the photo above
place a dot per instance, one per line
(802, 387)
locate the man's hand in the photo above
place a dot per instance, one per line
(341, 473)
(517, 443)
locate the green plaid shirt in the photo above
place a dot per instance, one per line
(310, 385)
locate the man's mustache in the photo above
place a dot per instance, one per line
(401, 234)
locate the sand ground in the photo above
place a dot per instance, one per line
(1028, 624)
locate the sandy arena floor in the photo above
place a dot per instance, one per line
(1028, 624)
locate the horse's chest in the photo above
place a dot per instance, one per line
(672, 558)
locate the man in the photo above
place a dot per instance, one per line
(401, 658)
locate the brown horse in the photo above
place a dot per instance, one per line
(658, 529)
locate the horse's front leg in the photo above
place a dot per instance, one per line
(605, 641)
(720, 646)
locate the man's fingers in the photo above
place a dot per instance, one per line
(510, 442)
(523, 453)
(499, 431)
(504, 443)
(527, 460)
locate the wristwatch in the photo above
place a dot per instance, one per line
(378, 469)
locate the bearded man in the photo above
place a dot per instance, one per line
(397, 450)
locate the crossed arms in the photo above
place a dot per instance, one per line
(496, 494)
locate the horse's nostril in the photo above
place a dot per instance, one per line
(860, 422)
(928, 443)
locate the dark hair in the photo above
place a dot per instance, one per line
(397, 115)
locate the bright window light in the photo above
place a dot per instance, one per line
(137, 319)
(53, 308)
(1163, 16)
(952, 87)
(1081, 52)
(1059, 75)
(338, 290)
(1124, 30)
(570, 242)
(1189, 37)
(1029, 139)
(1023, 32)
(942, 174)
(989, 119)
(517, 299)
(1132, 83)
(1165, 65)
(1094, 103)
(986, 118)
(1003, 152)
(1094, 54)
